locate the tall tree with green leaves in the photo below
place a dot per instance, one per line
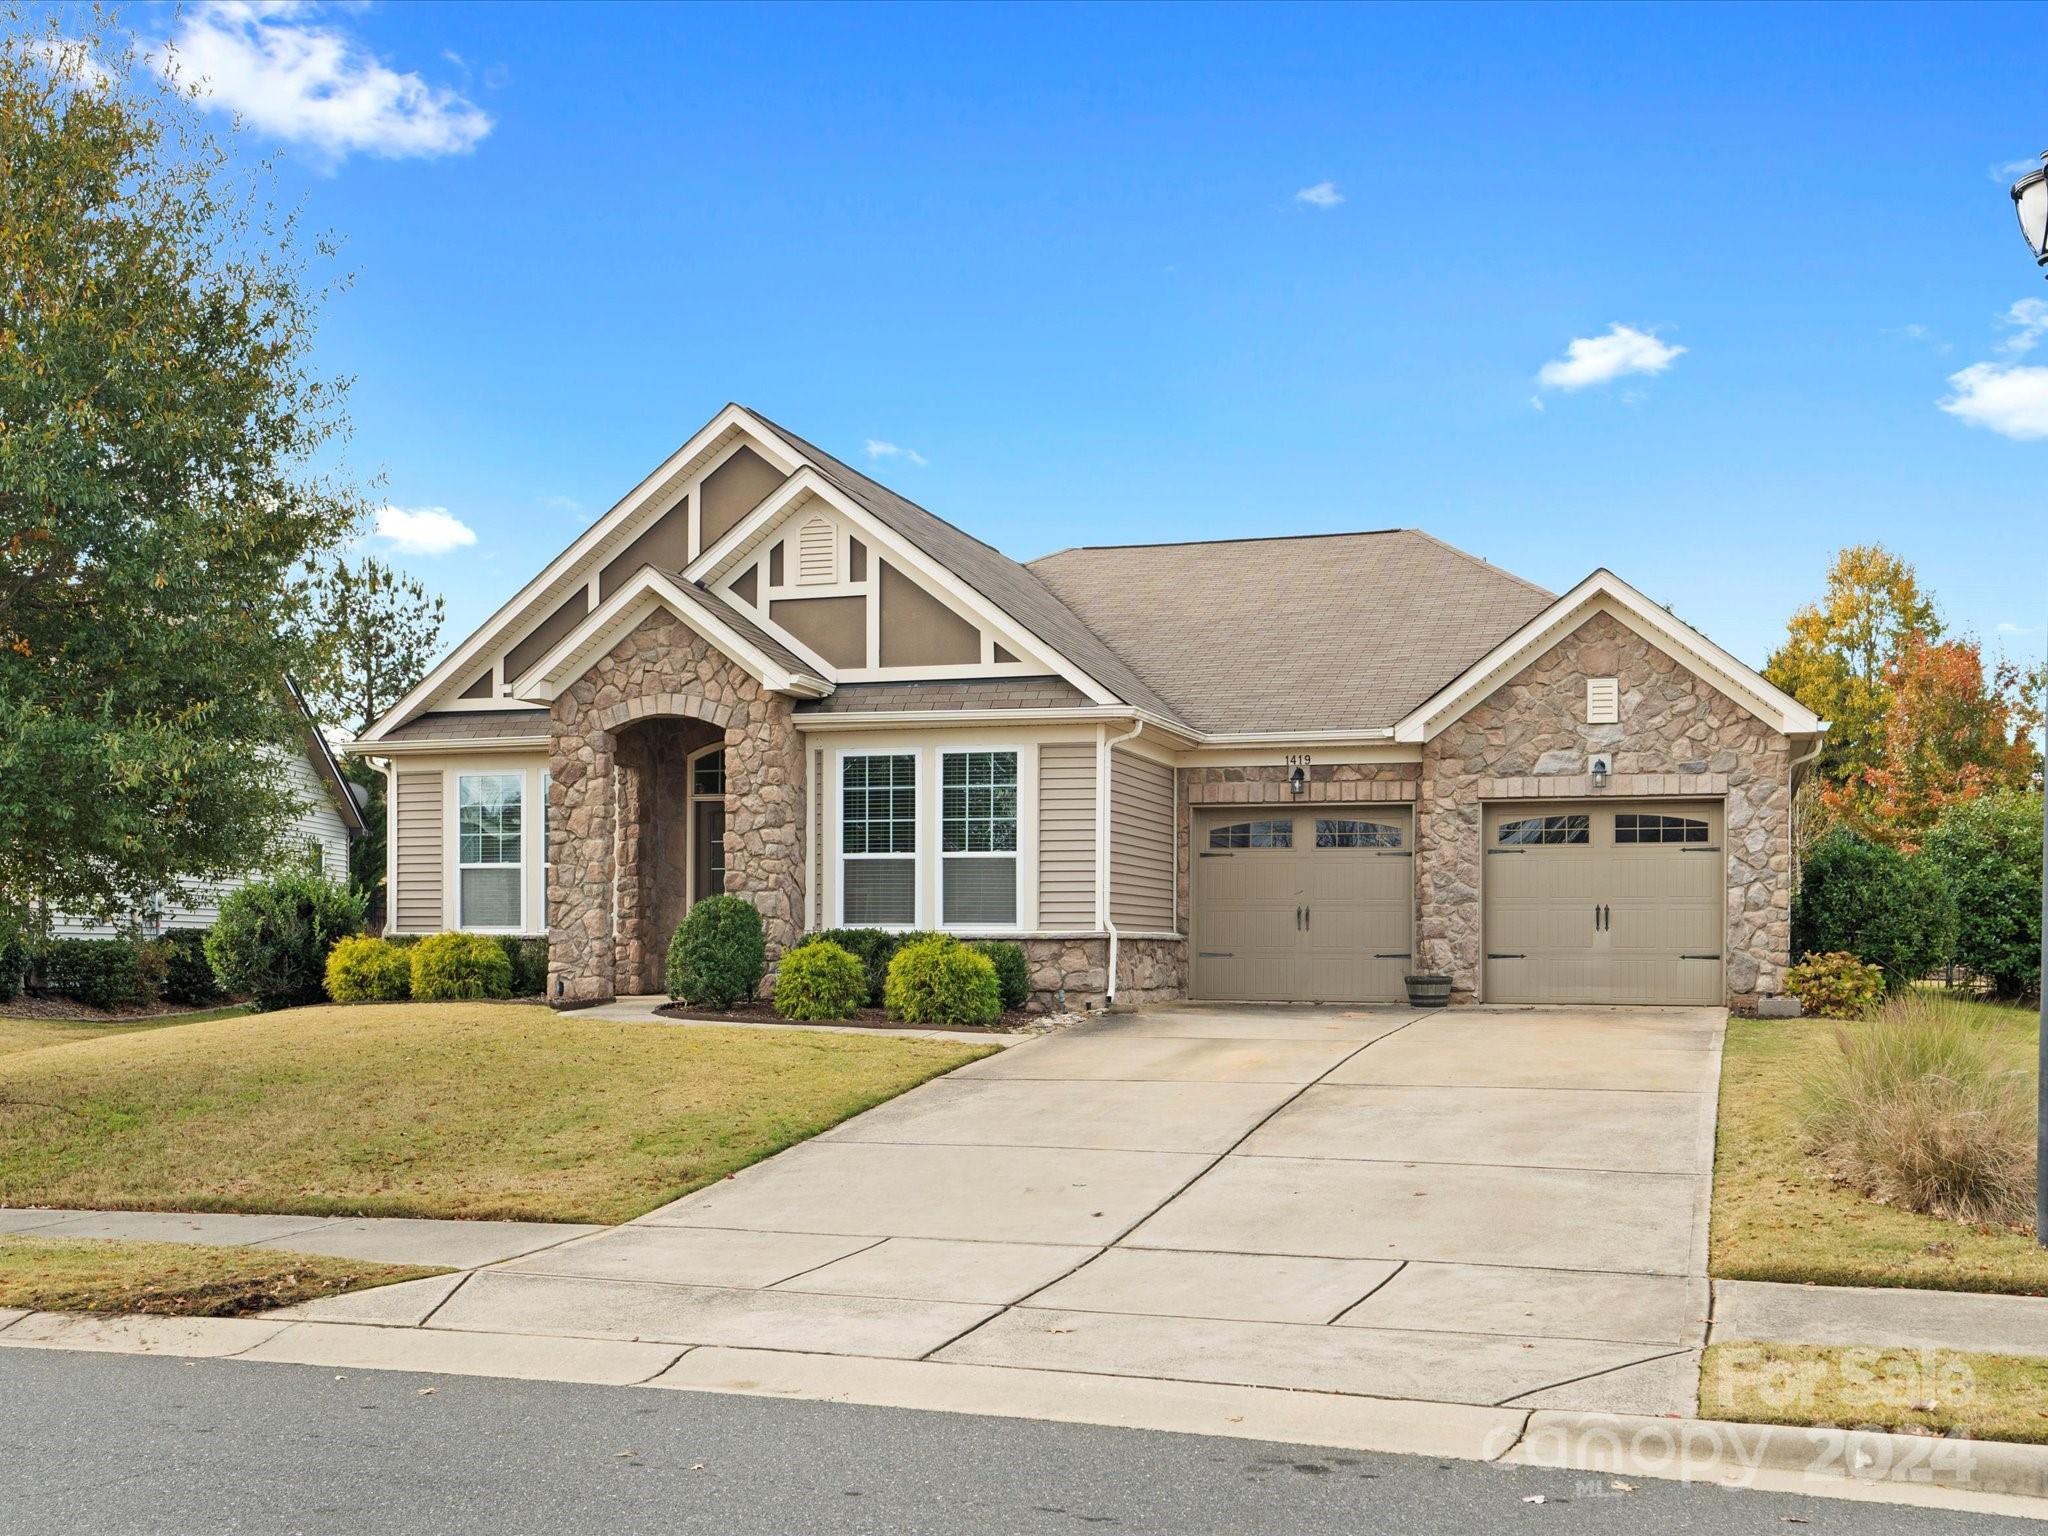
(374, 632)
(160, 419)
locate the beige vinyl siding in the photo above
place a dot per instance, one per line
(1066, 835)
(1140, 844)
(418, 852)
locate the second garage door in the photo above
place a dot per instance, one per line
(1303, 905)
(1608, 902)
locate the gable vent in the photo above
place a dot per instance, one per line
(816, 545)
(1603, 700)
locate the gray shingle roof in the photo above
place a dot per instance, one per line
(1307, 633)
(468, 725)
(961, 693)
(720, 609)
(1010, 586)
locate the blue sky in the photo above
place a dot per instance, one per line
(1061, 255)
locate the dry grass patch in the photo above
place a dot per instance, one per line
(18, 1033)
(447, 1109)
(1784, 1213)
(1937, 1392)
(175, 1279)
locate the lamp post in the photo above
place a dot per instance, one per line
(2030, 200)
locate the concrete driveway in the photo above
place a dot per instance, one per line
(1496, 1206)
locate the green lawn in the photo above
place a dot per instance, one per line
(448, 1109)
(17, 1034)
(1982, 1397)
(1777, 1216)
(179, 1279)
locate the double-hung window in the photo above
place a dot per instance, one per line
(878, 839)
(978, 839)
(490, 832)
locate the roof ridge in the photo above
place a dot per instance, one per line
(1250, 538)
(1499, 570)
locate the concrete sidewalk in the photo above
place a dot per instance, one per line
(1755, 1311)
(377, 1240)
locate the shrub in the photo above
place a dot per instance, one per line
(100, 973)
(820, 980)
(1836, 986)
(1919, 1110)
(1861, 898)
(874, 948)
(188, 977)
(13, 956)
(451, 966)
(717, 954)
(529, 961)
(1989, 852)
(366, 970)
(271, 939)
(936, 979)
(1013, 970)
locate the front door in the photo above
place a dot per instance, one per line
(1303, 905)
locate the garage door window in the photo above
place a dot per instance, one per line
(1631, 828)
(978, 839)
(1253, 834)
(1336, 832)
(1531, 831)
(878, 840)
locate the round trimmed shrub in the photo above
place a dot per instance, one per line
(939, 980)
(1013, 971)
(366, 970)
(1989, 852)
(271, 939)
(820, 980)
(450, 967)
(1836, 986)
(1861, 898)
(717, 955)
(874, 948)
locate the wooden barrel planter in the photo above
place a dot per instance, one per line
(1428, 991)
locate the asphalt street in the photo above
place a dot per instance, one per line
(120, 1443)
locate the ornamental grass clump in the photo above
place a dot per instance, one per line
(1920, 1109)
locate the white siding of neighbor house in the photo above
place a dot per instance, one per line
(318, 825)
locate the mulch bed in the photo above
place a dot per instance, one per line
(1011, 1023)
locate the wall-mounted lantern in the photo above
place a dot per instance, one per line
(1601, 768)
(1297, 780)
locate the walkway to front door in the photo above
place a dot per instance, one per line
(1476, 1206)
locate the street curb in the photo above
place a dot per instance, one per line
(1711, 1449)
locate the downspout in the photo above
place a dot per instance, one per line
(1102, 795)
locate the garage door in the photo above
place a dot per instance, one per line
(1609, 902)
(1303, 905)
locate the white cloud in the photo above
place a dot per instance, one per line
(70, 60)
(2011, 401)
(291, 75)
(2029, 320)
(2007, 627)
(877, 449)
(2012, 170)
(1590, 360)
(1323, 194)
(423, 530)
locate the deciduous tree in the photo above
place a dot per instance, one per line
(159, 417)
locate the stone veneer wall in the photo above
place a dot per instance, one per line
(1148, 971)
(663, 668)
(1677, 735)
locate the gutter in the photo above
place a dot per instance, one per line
(1109, 747)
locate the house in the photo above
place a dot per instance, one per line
(1258, 768)
(330, 816)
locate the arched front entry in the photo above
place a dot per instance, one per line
(671, 837)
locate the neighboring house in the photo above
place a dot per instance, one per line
(1266, 768)
(329, 817)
